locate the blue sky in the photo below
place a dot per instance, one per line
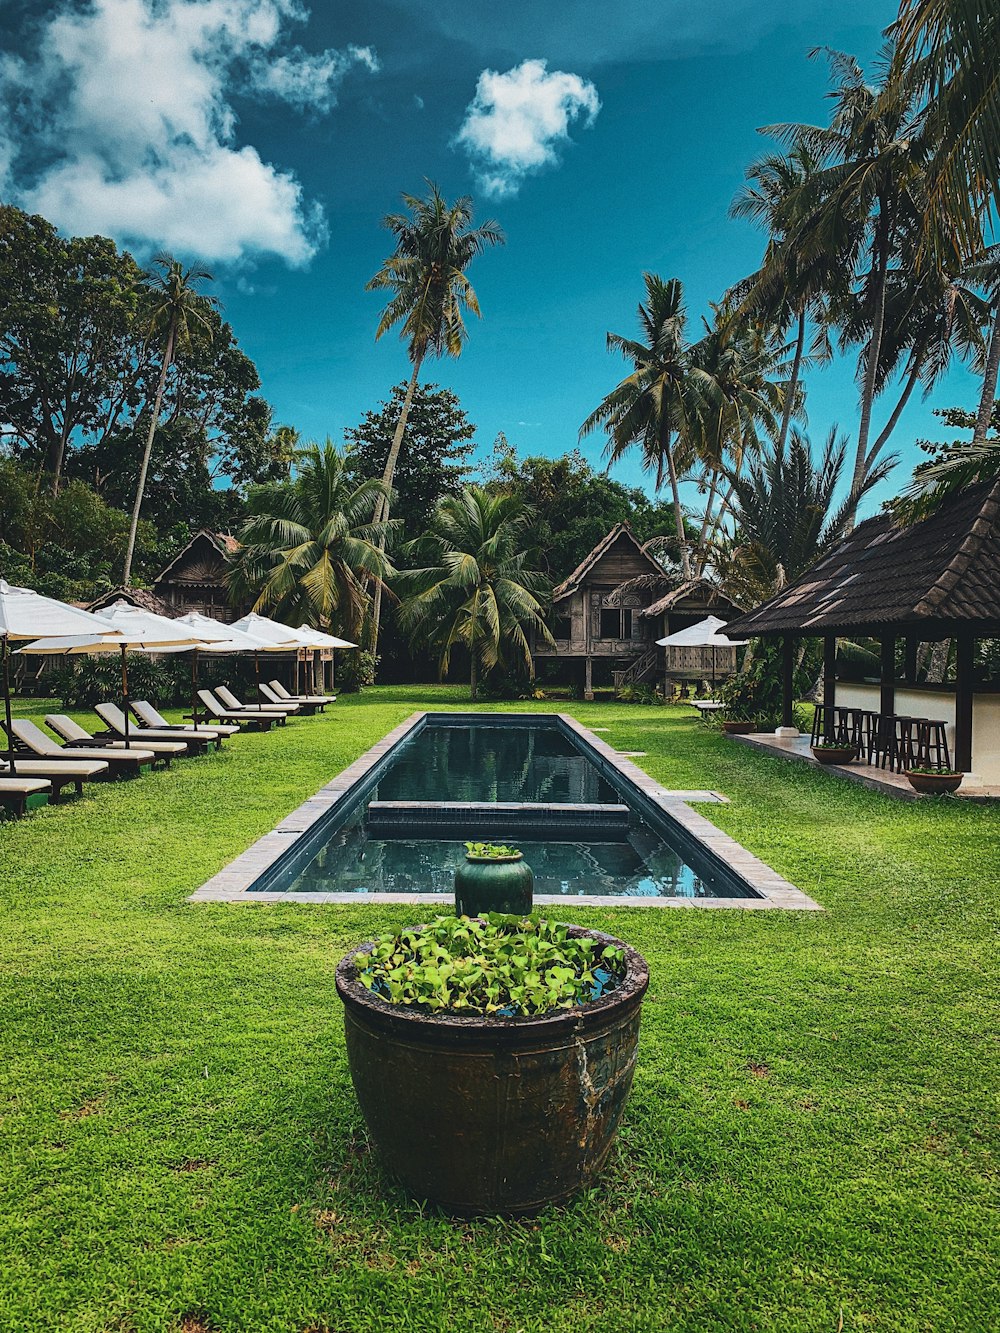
(270, 140)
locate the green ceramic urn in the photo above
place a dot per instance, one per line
(493, 884)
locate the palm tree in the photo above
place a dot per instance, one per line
(743, 380)
(654, 407)
(176, 307)
(435, 244)
(952, 47)
(863, 197)
(311, 545)
(785, 516)
(478, 589)
(793, 281)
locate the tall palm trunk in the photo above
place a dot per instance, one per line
(791, 391)
(678, 511)
(989, 393)
(890, 425)
(154, 421)
(701, 554)
(382, 508)
(871, 369)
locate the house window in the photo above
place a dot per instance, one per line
(616, 623)
(562, 627)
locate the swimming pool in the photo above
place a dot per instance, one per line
(591, 824)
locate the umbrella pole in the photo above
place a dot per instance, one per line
(125, 696)
(6, 706)
(713, 670)
(194, 687)
(256, 672)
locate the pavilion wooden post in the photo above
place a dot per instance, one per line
(787, 675)
(910, 660)
(965, 646)
(588, 679)
(887, 695)
(829, 685)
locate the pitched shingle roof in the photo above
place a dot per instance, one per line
(705, 592)
(942, 572)
(571, 584)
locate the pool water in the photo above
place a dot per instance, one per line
(484, 763)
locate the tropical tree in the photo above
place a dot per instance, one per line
(863, 197)
(655, 406)
(311, 545)
(175, 308)
(426, 274)
(786, 515)
(477, 589)
(792, 285)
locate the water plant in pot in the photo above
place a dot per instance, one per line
(934, 780)
(833, 752)
(493, 878)
(492, 1057)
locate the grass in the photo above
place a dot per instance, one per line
(811, 1142)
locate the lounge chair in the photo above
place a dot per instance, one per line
(121, 762)
(285, 697)
(162, 742)
(245, 717)
(307, 706)
(59, 772)
(81, 740)
(149, 717)
(283, 711)
(19, 795)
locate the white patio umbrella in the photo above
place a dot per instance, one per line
(25, 615)
(220, 638)
(322, 640)
(125, 626)
(275, 632)
(706, 634)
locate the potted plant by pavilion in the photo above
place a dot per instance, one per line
(493, 878)
(492, 1058)
(934, 780)
(833, 752)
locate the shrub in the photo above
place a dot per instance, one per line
(503, 965)
(355, 670)
(97, 679)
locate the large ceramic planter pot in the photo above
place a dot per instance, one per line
(493, 1115)
(737, 728)
(834, 754)
(934, 784)
(494, 884)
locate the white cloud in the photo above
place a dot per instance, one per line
(121, 121)
(310, 82)
(516, 122)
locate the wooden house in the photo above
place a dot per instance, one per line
(607, 616)
(195, 580)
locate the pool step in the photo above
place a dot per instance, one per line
(434, 820)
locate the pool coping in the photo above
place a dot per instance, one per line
(233, 882)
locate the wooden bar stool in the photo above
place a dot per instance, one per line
(903, 743)
(932, 745)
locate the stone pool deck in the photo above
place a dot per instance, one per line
(234, 883)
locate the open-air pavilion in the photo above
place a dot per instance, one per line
(935, 580)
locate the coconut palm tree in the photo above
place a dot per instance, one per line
(426, 274)
(785, 516)
(176, 309)
(793, 282)
(654, 408)
(477, 589)
(311, 545)
(864, 196)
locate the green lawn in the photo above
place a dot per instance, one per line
(811, 1142)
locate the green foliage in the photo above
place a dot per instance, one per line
(309, 549)
(504, 966)
(639, 694)
(356, 670)
(479, 590)
(489, 851)
(574, 506)
(97, 679)
(755, 695)
(434, 461)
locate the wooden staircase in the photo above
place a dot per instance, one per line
(639, 670)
